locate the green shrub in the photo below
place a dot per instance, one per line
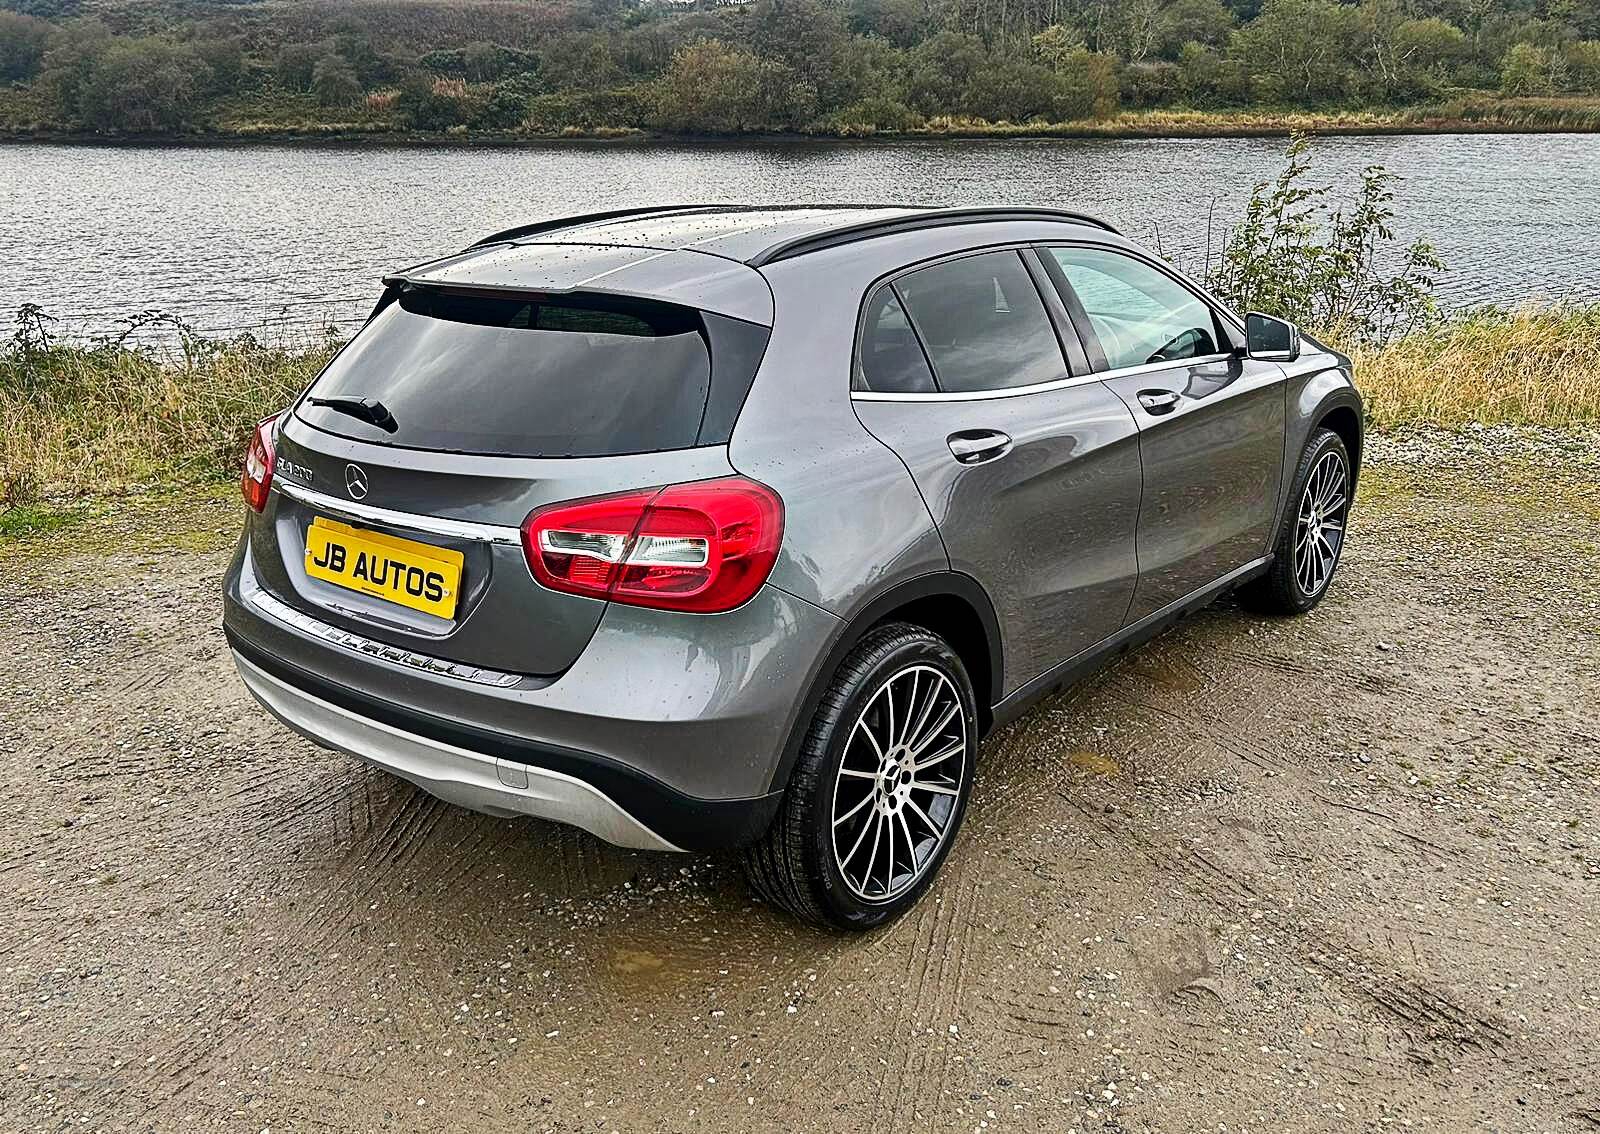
(1206, 22)
(716, 89)
(875, 114)
(585, 111)
(1583, 66)
(226, 62)
(504, 108)
(1088, 88)
(112, 83)
(1325, 266)
(22, 45)
(1016, 90)
(942, 69)
(480, 62)
(1525, 71)
(334, 81)
(296, 63)
(1207, 78)
(1155, 83)
(1295, 49)
(427, 103)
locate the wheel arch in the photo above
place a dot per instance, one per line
(1344, 418)
(948, 603)
(1324, 398)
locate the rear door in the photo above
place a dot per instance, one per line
(1210, 419)
(1029, 466)
(404, 473)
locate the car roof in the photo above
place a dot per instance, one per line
(704, 256)
(761, 234)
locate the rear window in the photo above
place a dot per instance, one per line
(529, 376)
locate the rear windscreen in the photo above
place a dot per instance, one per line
(520, 376)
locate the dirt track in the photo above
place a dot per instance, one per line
(1329, 874)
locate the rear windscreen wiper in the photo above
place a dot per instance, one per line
(369, 410)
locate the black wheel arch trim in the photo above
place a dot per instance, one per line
(1344, 398)
(1341, 397)
(933, 585)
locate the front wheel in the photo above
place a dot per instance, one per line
(1308, 548)
(880, 787)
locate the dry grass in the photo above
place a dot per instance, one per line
(1532, 366)
(1579, 113)
(79, 423)
(76, 421)
(1150, 124)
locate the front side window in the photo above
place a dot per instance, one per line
(1141, 315)
(983, 323)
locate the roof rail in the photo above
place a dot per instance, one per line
(931, 218)
(555, 224)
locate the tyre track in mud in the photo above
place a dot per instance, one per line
(1178, 883)
(1426, 1012)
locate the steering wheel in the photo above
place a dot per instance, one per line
(1182, 345)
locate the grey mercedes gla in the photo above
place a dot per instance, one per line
(713, 527)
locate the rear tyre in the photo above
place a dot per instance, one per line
(880, 786)
(1308, 548)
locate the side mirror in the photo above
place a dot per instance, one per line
(1270, 339)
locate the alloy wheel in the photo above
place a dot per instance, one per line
(1319, 530)
(899, 783)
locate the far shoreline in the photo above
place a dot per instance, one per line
(1156, 126)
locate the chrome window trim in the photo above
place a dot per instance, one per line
(1151, 367)
(433, 525)
(1039, 387)
(975, 395)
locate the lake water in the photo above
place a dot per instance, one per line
(230, 237)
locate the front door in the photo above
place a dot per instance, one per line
(1030, 470)
(1210, 419)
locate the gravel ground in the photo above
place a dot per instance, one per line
(1334, 873)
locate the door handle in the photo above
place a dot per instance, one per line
(1158, 402)
(973, 446)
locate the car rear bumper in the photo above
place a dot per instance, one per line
(456, 775)
(498, 774)
(667, 733)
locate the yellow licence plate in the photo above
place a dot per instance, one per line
(417, 575)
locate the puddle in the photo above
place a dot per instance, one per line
(636, 962)
(1094, 763)
(1172, 673)
(1181, 970)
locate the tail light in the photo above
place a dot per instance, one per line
(259, 460)
(703, 547)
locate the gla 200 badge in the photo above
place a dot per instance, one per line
(294, 471)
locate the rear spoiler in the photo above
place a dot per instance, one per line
(682, 277)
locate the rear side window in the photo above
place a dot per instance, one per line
(983, 323)
(531, 376)
(1140, 314)
(889, 359)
